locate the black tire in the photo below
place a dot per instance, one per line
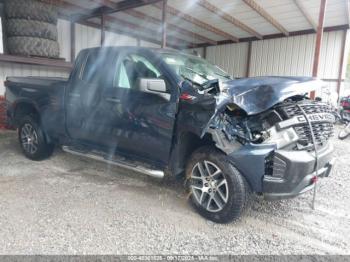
(31, 28)
(32, 46)
(31, 10)
(44, 149)
(238, 188)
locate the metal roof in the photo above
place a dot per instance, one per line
(196, 22)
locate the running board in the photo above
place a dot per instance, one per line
(99, 157)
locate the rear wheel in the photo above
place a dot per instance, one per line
(32, 140)
(217, 190)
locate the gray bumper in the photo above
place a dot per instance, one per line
(296, 172)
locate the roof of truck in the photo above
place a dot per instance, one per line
(136, 48)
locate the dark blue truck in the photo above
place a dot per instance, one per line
(167, 113)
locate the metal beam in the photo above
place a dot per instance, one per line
(72, 42)
(120, 6)
(274, 36)
(173, 11)
(132, 26)
(138, 42)
(347, 9)
(172, 27)
(319, 37)
(261, 11)
(205, 52)
(164, 23)
(120, 29)
(249, 59)
(302, 9)
(116, 28)
(227, 17)
(58, 63)
(341, 63)
(107, 3)
(103, 33)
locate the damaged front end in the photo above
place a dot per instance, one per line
(273, 134)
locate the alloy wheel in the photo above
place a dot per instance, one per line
(209, 186)
(29, 139)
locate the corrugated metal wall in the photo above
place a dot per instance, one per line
(294, 56)
(282, 56)
(232, 58)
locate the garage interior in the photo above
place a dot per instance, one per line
(76, 206)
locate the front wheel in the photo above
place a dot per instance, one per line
(32, 140)
(217, 190)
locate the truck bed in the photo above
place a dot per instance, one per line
(36, 82)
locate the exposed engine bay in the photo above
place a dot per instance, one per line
(283, 125)
(243, 116)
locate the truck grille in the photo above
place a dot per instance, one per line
(322, 130)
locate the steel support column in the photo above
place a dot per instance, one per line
(72, 42)
(341, 63)
(164, 23)
(249, 57)
(138, 42)
(205, 52)
(319, 37)
(103, 32)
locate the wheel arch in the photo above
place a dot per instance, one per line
(25, 108)
(185, 144)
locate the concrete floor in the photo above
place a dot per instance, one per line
(72, 205)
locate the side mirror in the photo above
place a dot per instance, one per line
(153, 86)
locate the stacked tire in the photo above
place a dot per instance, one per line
(31, 28)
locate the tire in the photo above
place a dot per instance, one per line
(43, 149)
(234, 192)
(31, 28)
(32, 46)
(31, 10)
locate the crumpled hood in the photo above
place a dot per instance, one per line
(258, 94)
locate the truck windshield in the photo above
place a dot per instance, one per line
(194, 69)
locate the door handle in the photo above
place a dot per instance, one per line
(113, 100)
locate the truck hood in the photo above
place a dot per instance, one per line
(258, 94)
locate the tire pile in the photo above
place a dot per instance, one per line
(30, 28)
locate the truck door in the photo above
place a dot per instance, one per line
(141, 123)
(84, 104)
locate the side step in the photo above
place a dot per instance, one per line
(127, 165)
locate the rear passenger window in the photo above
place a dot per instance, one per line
(96, 68)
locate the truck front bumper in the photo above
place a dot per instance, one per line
(294, 172)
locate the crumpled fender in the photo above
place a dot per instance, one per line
(257, 94)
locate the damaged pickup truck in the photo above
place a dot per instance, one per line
(166, 113)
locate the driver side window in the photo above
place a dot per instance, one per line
(132, 68)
